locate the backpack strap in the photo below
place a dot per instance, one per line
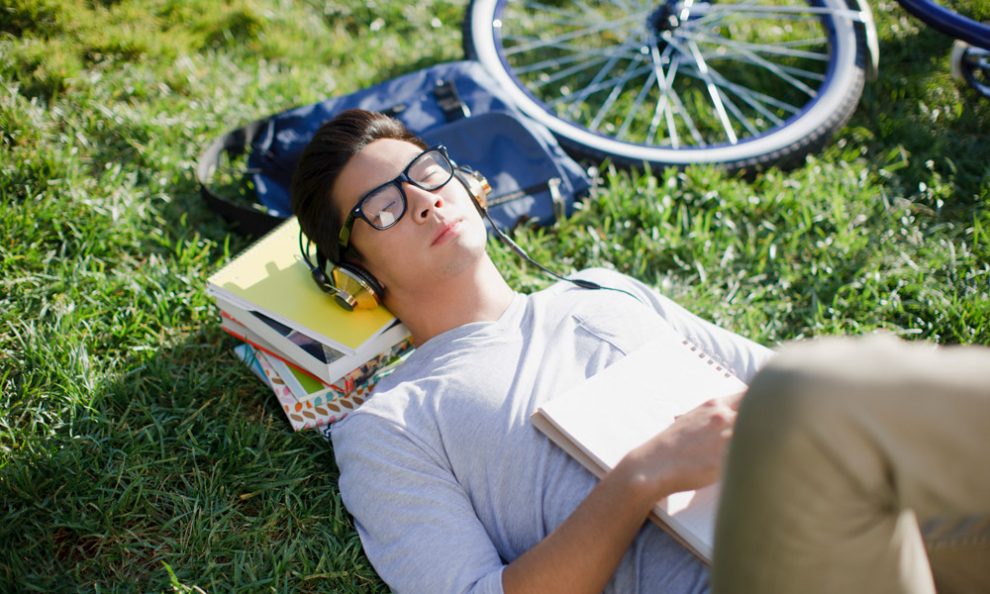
(449, 101)
(249, 220)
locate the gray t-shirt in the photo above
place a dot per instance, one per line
(446, 477)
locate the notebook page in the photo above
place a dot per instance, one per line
(618, 409)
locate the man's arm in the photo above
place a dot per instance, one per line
(582, 553)
(418, 527)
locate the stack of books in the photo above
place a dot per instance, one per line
(319, 360)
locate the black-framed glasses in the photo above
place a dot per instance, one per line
(383, 206)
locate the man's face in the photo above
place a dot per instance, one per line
(441, 234)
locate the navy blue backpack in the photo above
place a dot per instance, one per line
(454, 104)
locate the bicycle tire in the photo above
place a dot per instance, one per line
(495, 30)
(972, 64)
(949, 23)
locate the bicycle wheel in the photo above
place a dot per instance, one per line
(735, 82)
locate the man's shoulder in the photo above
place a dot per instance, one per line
(606, 278)
(382, 413)
(419, 377)
(600, 274)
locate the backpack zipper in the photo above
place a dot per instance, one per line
(552, 184)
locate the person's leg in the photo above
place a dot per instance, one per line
(841, 449)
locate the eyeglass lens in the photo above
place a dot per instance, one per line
(430, 171)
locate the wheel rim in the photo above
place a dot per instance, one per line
(683, 81)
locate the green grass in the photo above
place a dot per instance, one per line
(134, 448)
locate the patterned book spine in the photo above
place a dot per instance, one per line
(336, 401)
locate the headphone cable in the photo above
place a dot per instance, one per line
(580, 282)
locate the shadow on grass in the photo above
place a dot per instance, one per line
(917, 121)
(186, 460)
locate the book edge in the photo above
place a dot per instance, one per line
(662, 519)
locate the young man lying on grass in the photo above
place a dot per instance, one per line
(453, 489)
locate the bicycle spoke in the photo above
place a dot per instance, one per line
(759, 48)
(539, 43)
(603, 72)
(587, 10)
(664, 84)
(754, 98)
(777, 70)
(740, 116)
(669, 106)
(713, 92)
(678, 106)
(574, 97)
(806, 74)
(554, 44)
(641, 96)
(716, 80)
(802, 72)
(750, 97)
(724, 56)
(637, 103)
(544, 21)
(607, 105)
(591, 63)
(628, 7)
(713, 20)
(760, 99)
(774, 11)
(539, 7)
(555, 62)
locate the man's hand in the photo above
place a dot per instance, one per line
(583, 552)
(688, 454)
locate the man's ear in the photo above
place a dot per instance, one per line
(354, 256)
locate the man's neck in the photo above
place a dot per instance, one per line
(478, 295)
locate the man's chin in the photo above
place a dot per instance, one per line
(468, 258)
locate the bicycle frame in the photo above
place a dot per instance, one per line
(950, 23)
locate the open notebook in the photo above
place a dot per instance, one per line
(601, 419)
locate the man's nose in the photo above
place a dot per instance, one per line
(423, 202)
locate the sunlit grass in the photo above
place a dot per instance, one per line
(129, 435)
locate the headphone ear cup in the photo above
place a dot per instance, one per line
(476, 185)
(356, 288)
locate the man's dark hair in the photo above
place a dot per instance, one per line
(321, 162)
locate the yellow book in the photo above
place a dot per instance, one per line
(270, 276)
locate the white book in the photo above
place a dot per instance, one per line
(603, 418)
(318, 359)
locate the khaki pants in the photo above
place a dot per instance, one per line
(859, 466)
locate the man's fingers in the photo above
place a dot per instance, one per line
(734, 400)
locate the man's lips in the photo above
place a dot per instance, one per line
(447, 230)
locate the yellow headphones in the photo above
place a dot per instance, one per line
(353, 287)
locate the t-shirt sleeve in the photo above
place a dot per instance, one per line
(416, 523)
(739, 354)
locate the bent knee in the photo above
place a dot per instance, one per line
(814, 381)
